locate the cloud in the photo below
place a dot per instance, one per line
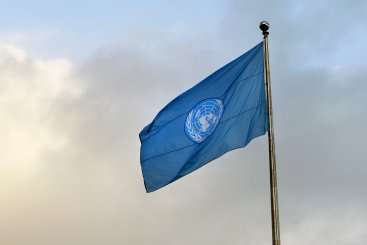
(337, 226)
(28, 89)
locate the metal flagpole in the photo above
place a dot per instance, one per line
(264, 26)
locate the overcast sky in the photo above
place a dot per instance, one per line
(80, 79)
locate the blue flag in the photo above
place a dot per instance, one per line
(223, 112)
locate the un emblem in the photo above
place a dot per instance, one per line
(203, 119)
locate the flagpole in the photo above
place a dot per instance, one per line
(264, 26)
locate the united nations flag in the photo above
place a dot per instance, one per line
(223, 112)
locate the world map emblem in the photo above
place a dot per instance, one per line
(203, 119)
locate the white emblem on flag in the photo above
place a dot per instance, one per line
(203, 119)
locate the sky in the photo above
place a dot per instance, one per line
(80, 79)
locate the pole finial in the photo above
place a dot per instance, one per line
(264, 26)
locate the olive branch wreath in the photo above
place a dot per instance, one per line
(190, 129)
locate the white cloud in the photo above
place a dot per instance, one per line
(28, 89)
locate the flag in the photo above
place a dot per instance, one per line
(223, 112)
